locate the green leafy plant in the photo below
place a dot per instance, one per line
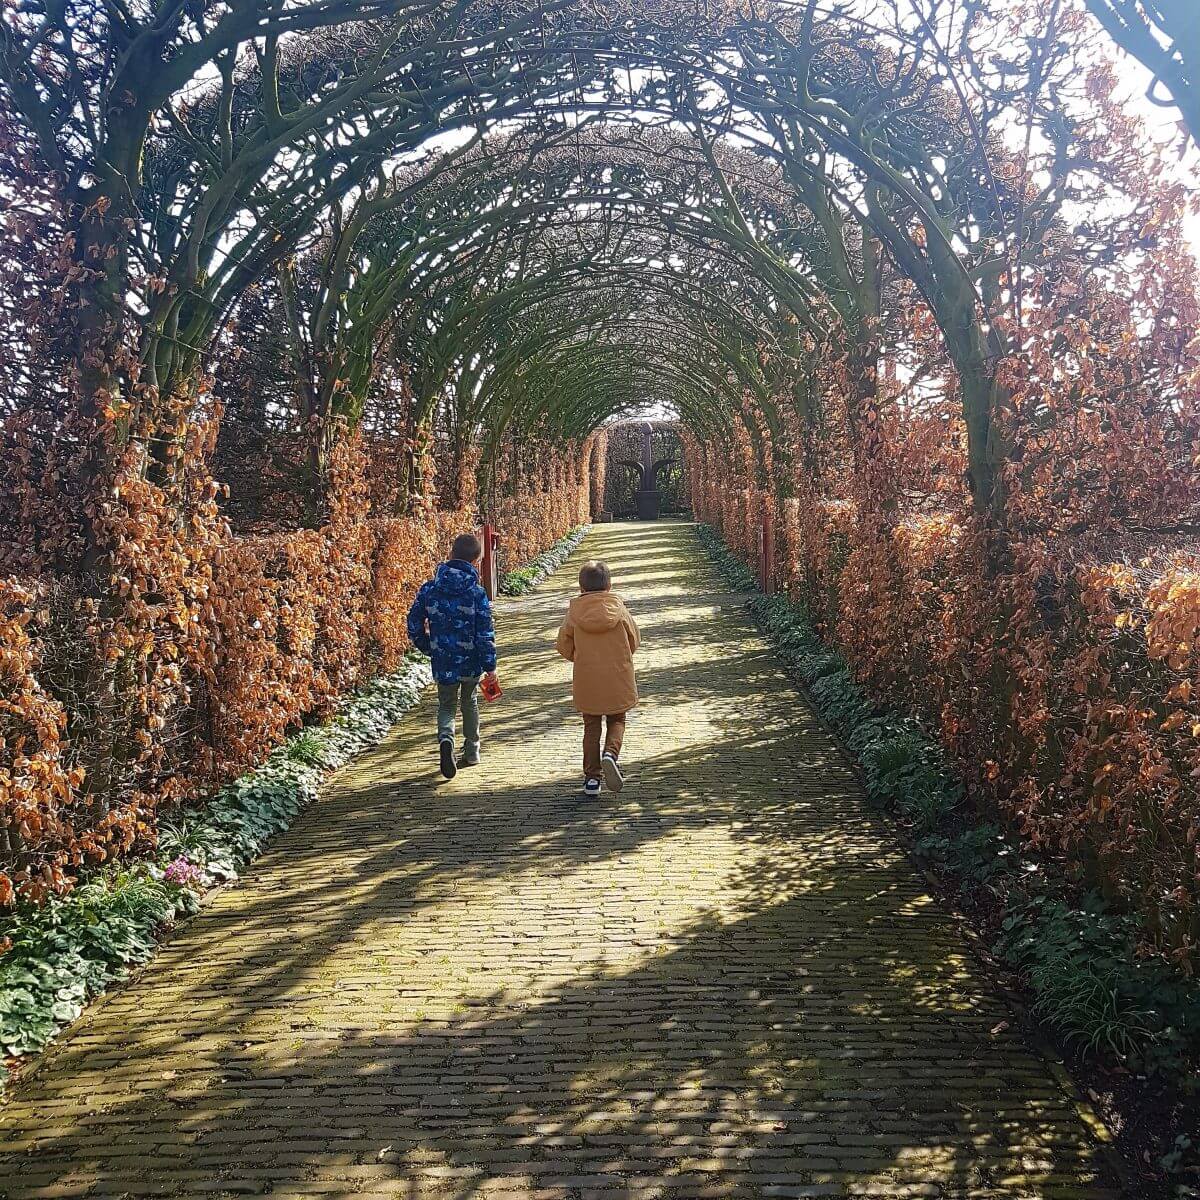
(73, 947)
(70, 949)
(1076, 954)
(525, 579)
(973, 857)
(307, 748)
(1089, 983)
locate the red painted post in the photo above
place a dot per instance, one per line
(491, 578)
(767, 541)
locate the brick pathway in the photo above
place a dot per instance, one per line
(725, 981)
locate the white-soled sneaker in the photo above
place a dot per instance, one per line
(591, 787)
(612, 773)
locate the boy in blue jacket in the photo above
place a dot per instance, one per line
(451, 621)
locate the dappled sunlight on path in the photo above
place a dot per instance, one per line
(727, 980)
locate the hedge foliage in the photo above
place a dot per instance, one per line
(68, 950)
(1077, 954)
(526, 578)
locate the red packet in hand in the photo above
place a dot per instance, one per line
(490, 688)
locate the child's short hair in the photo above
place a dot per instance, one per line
(595, 577)
(467, 548)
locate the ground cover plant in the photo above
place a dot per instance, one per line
(1076, 955)
(525, 579)
(61, 954)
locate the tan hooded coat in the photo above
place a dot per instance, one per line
(600, 637)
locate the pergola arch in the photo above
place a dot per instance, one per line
(607, 239)
(356, 77)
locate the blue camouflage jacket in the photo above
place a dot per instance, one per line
(451, 621)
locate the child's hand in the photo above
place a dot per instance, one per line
(491, 687)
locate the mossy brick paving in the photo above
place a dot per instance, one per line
(725, 981)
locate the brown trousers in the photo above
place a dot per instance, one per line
(614, 735)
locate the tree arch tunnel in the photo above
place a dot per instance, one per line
(293, 291)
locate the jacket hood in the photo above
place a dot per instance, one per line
(597, 612)
(455, 577)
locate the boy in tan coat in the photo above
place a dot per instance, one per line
(600, 637)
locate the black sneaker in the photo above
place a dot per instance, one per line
(468, 760)
(449, 769)
(612, 773)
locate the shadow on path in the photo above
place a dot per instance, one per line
(724, 981)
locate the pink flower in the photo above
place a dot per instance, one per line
(184, 873)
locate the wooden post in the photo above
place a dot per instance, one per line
(490, 570)
(767, 555)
